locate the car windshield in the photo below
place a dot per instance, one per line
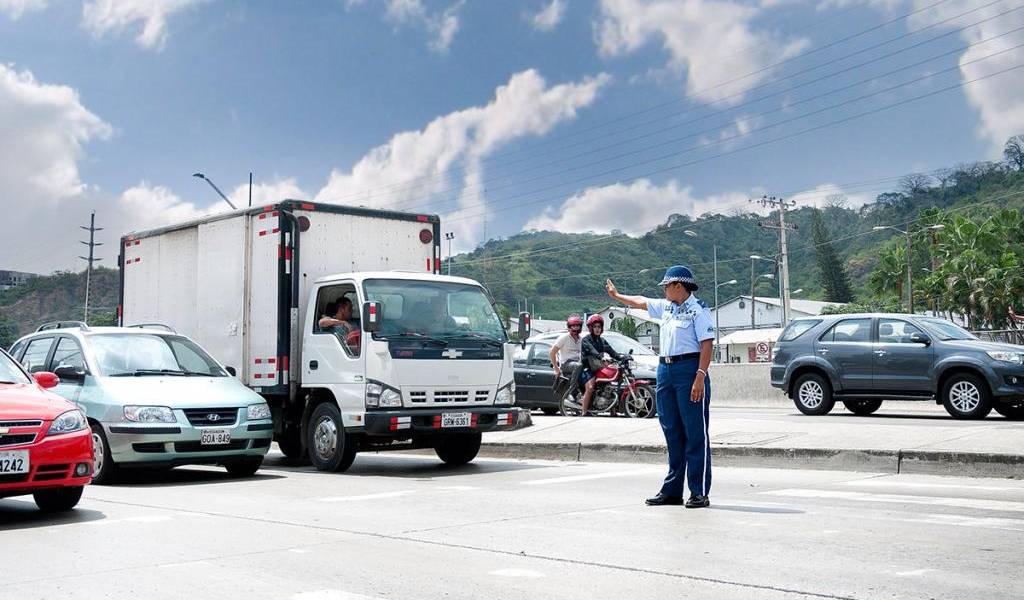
(10, 372)
(437, 310)
(623, 344)
(945, 330)
(141, 354)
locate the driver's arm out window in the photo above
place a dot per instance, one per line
(349, 337)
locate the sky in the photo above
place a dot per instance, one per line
(501, 116)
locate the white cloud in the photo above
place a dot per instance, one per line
(549, 17)
(16, 8)
(524, 106)
(442, 26)
(821, 193)
(103, 16)
(633, 208)
(709, 42)
(267, 193)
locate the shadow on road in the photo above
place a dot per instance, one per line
(185, 476)
(770, 510)
(407, 466)
(19, 513)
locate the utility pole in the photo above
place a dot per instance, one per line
(92, 243)
(449, 236)
(910, 275)
(780, 204)
(752, 259)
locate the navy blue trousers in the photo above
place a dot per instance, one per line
(685, 424)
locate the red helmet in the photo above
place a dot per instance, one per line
(574, 320)
(594, 320)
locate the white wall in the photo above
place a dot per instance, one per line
(731, 316)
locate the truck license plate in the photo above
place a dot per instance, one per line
(215, 437)
(14, 462)
(460, 419)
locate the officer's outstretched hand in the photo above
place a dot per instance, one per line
(612, 291)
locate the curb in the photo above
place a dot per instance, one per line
(924, 462)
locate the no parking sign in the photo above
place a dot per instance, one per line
(762, 352)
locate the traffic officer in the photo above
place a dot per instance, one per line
(684, 390)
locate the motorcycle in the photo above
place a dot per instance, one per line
(617, 390)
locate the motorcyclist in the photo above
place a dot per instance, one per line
(565, 353)
(596, 353)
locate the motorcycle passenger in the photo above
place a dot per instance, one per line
(596, 353)
(565, 353)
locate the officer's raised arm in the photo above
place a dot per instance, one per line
(631, 301)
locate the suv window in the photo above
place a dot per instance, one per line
(35, 354)
(849, 330)
(540, 357)
(67, 354)
(892, 331)
(797, 329)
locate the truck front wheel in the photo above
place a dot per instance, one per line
(330, 448)
(458, 449)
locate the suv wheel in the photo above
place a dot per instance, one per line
(965, 396)
(1011, 410)
(812, 395)
(862, 407)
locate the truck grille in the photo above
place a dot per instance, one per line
(448, 396)
(16, 439)
(211, 417)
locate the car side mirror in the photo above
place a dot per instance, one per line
(231, 371)
(69, 373)
(920, 338)
(524, 327)
(373, 316)
(46, 379)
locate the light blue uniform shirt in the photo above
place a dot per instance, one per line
(683, 326)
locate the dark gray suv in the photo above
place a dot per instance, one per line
(862, 359)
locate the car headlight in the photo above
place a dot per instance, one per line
(1010, 357)
(390, 398)
(73, 420)
(379, 395)
(506, 395)
(255, 412)
(149, 414)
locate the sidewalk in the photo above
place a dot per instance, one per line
(903, 437)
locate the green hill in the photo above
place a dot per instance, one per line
(56, 297)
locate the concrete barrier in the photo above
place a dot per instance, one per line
(747, 384)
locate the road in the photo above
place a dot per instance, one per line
(405, 527)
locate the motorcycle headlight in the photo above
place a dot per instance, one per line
(506, 395)
(149, 414)
(1010, 357)
(256, 412)
(73, 420)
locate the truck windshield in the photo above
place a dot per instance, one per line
(435, 310)
(140, 354)
(10, 372)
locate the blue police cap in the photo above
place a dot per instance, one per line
(681, 274)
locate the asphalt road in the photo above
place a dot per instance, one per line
(403, 526)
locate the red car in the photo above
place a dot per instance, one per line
(45, 441)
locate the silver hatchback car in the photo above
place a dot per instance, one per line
(153, 398)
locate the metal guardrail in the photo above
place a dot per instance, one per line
(1005, 336)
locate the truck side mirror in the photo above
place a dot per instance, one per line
(373, 315)
(524, 327)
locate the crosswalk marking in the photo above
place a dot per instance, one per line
(976, 503)
(930, 485)
(607, 475)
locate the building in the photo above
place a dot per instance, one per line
(749, 345)
(11, 279)
(734, 314)
(537, 326)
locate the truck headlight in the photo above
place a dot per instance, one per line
(1010, 357)
(506, 395)
(256, 412)
(379, 395)
(73, 420)
(149, 414)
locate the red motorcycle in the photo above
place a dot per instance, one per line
(617, 390)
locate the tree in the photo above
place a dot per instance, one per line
(831, 272)
(8, 332)
(890, 274)
(625, 325)
(915, 183)
(1014, 152)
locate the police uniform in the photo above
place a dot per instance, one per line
(684, 422)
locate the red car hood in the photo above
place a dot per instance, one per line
(21, 401)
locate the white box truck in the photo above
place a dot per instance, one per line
(422, 361)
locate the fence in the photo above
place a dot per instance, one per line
(1005, 336)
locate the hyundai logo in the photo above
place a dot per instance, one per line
(213, 417)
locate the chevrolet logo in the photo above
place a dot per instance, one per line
(4, 430)
(213, 417)
(451, 353)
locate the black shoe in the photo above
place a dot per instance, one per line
(696, 501)
(664, 500)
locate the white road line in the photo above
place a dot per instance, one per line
(964, 521)
(524, 573)
(928, 485)
(330, 595)
(380, 496)
(607, 475)
(140, 519)
(914, 573)
(976, 503)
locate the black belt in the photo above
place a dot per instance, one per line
(667, 360)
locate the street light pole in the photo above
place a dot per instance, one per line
(718, 335)
(215, 188)
(449, 236)
(752, 259)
